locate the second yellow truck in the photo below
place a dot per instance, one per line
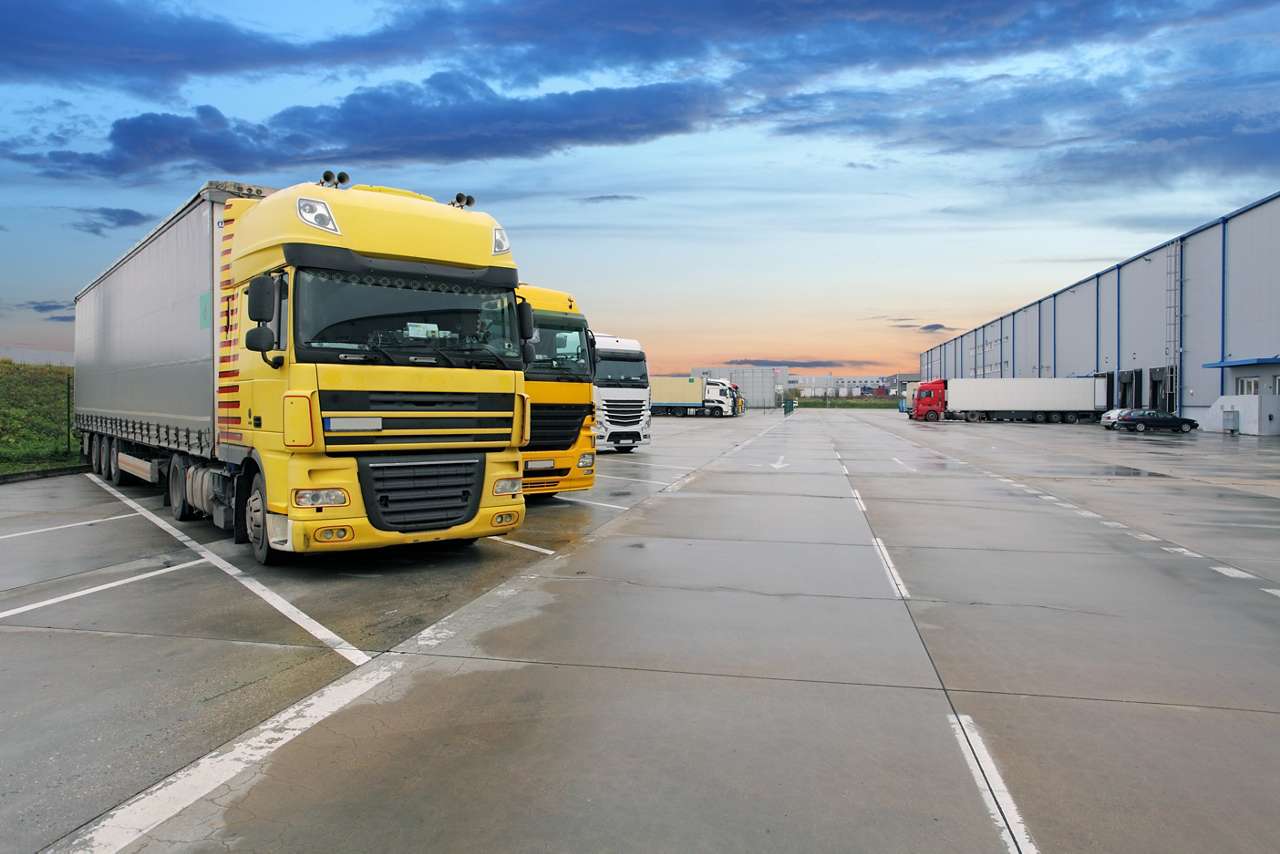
(560, 455)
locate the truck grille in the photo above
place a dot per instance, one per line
(477, 419)
(416, 401)
(555, 426)
(423, 493)
(624, 413)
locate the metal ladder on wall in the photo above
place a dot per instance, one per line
(1172, 324)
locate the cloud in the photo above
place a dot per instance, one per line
(854, 164)
(151, 48)
(931, 328)
(61, 318)
(3, 227)
(804, 363)
(447, 118)
(904, 326)
(98, 221)
(46, 306)
(1156, 223)
(610, 197)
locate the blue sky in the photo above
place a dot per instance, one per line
(837, 183)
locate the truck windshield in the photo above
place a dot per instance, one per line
(403, 320)
(559, 348)
(621, 370)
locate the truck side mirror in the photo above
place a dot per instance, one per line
(527, 353)
(262, 299)
(524, 312)
(260, 339)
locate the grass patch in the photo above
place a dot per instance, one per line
(33, 417)
(849, 403)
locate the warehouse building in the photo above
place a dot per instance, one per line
(761, 387)
(1190, 326)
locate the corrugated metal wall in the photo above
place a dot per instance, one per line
(1116, 319)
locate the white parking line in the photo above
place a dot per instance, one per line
(1050, 498)
(1178, 550)
(1088, 514)
(1228, 571)
(142, 813)
(68, 525)
(1000, 804)
(612, 460)
(1271, 590)
(904, 465)
(520, 545)
(1146, 538)
(858, 498)
(891, 571)
(592, 503)
(275, 600)
(1067, 506)
(1111, 524)
(633, 479)
(12, 612)
(844, 468)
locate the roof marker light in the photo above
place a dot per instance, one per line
(316, 213)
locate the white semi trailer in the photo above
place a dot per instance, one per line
(1036, 399)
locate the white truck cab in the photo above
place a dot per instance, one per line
(621, 394)
(719, 399)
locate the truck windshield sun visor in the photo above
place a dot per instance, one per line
(347, 261)
(408, 320)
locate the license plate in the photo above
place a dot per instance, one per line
(538, 465)
(626, 441)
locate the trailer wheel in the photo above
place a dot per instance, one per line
(104, 463)
(255, 521)
(972, 417)
(93, 453)
(113, 462)
(931, 416)
(1055, 418)
(1038, 418)
(1071, 418)
(176, 482)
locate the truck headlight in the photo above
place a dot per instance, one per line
(507, 486)
(320, 498)
(586, 461)
(317, 214)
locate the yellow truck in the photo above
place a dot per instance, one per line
(561, 454)
(319, 368)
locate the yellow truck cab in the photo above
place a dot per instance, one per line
(316, 368)
(560, 456)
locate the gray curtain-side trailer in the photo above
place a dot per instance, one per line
(144, 333)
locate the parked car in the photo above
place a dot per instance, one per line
(1141, 420)
(1108, 419)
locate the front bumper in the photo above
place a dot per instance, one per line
(564, 475)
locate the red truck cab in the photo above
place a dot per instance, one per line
(930, 401)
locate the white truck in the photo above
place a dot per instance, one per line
(621, 394)
(694, 396)
(1037, 399)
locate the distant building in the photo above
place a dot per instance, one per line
(761, 387)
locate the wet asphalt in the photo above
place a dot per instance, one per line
(836, 631)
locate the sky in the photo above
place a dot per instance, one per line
(831, 185)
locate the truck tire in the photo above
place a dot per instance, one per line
(255, 522)
(113, 459)
(972, 417)
(931, 416)
(1071, 418)
(176, 484)
(104, 464)
(1038, 418)
(95, 462)
(1055, 417)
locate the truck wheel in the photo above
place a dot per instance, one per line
(255, 522)
(972, 417)
(931, 416)
(94, 462)
(176, 481)
(1071, 418)
(104, 463)
(1055, 418)
(1038, 418)
(113, 459)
